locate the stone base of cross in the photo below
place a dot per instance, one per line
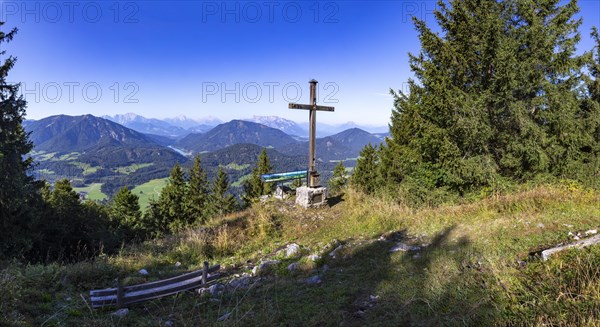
(312, 195)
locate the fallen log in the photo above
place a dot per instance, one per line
(579, 244)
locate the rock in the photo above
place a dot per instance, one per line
(373, 298)
(293, 266)
(325, 268)
(333, 253)
(264, 198)
(169, 323)
(263, 266)
(313, 280)
(216, 289)
(540, 225)
(143, 272)
(202, 290)
(314, 257)
(224, 317)
(404, 247)
(282, 192)
(292, 250)
(177, 264)
(591, 232)
(242, 282)
(120, 313)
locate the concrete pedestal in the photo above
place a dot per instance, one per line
(308, 197)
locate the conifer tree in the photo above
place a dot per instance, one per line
(125, 209)
(222, 202)
(494, 97)
(68, 230)
(171, 203)
(254, 187)
(365, 174)
(339, 178)
(18, 191)
(197, 196)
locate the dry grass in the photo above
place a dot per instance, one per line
(476, 269)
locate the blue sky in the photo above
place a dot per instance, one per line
(226, 59)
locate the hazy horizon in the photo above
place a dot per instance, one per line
(225, 59)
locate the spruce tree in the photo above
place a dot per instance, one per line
(222, 202)
(197, 196)
(254, 187)
(493, 97)
(590, 113)
(18, 191)
(171, 203)
(365, 175)
(339, 178)
(68, 231)
(125, 209)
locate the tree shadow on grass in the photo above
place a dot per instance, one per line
(334, 200)
(443, 283)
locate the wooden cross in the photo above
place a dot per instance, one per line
(312, 179)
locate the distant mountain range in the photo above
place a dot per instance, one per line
(88, 149)
(340, 146)
(180, 126)
(235, 132)
(171, 127)
(287, 126)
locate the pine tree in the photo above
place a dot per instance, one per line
(222, 202)
(254, 187)
(365, 175)
(339, 178)
(494, 97)
(19, 193)
(171, 203)
(125, 209)
(197, 197)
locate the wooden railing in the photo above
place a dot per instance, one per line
(122, 296)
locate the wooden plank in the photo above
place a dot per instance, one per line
(157, 292)
(579, 244)
(300, 106)
(108, 291)
(310, 107)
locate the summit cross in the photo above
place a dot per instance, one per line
(312, 179)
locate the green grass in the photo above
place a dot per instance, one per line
(240, 180)
(131, 168)
(93, 191)
(235, 166)
(68, 157)
(87, 168)
(474, 268)
(149, 190)
(42, 155)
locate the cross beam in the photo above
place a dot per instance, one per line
(312, 178)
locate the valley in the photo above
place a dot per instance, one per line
(101, 155)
